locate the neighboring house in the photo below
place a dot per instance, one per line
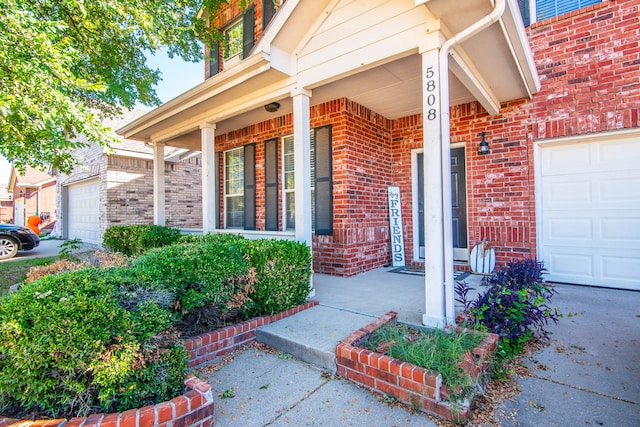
(6, 206)
(33, 192)
(116, 188)
(313, 108)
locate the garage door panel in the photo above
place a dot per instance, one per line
(590, 212)
(620, 190)
(568, 228)
(569, 192)
(623, 231)
(621, 269)
(578, 265)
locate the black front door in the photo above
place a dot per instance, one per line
(458, 204)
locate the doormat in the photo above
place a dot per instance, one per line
(419, 271)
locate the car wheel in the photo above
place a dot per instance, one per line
(8, 247)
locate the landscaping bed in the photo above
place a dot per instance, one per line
(195, 407)
(421, 388)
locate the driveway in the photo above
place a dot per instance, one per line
(47, 248)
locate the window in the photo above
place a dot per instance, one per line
(240, 187)
(238, 42)
(321, 182)
(233, 41)
(234, 188)
(544, 9)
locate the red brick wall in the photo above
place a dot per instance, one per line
(588, 63)
(361, 173)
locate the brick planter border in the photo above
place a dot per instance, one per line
(411, 384)
(194, 408)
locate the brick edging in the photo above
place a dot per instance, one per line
(406, 382)
(206, 347)
(193, 408)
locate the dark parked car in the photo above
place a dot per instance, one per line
(14, 238)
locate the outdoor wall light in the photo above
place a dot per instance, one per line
(20, 193)
(272, 107)
(483, 148)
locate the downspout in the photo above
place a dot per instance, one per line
(483, 23)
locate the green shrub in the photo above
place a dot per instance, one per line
(197, 273)
(515, 304)
(134, 240)
(211, 237)
(283, 272)
(68, 346)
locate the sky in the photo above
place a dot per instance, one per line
(177, 77)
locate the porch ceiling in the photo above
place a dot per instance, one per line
(498, 59)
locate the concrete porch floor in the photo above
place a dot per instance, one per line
(378, 291)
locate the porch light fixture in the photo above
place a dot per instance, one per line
(272, 107)
(483, 148)
(20, 194)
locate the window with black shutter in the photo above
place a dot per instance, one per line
(271, 184)
(323, 181)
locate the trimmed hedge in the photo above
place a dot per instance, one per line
(101, 337)
(68, 345)
(134, 240)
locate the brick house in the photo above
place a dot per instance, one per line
(32, 192)
(116, 188)
(311, 110)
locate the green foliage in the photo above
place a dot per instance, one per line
(197, 273)
(15, 272)
(68, 346)
(514, 306)
(69, 246)
(435, 350)
(66, 65)
(101, 338)
(283, 270)
(134, 240)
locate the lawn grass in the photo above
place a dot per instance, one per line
(12, 272)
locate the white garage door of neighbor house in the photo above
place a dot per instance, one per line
(590, 222)
(83, 215)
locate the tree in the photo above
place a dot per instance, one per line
(66, 65)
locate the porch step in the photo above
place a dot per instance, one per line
(312, 334)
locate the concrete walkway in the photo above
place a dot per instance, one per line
(589, 375)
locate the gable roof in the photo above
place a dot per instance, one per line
(368, 52)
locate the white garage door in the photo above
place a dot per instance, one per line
(83, 215)
(590, 220)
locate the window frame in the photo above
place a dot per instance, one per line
(533, 10)
(226, 194)
(236, 57)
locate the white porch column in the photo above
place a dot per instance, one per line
(207, 135)
(302, 169)
(158, 184)
(302, 160)
(437, 186)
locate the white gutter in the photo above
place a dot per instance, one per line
(483, 23)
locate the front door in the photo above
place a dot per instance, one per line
(458, 204)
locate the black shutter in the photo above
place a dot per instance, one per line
(214, 60)
(324, 181)
(268, 10)
(271, 183)
(216, 168)
(250, 187)
(247, 31)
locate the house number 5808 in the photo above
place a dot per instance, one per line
(432, 113)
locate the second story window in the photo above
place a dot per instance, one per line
(539, 10)
(233, 41)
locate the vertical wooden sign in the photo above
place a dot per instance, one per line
(395, 222)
